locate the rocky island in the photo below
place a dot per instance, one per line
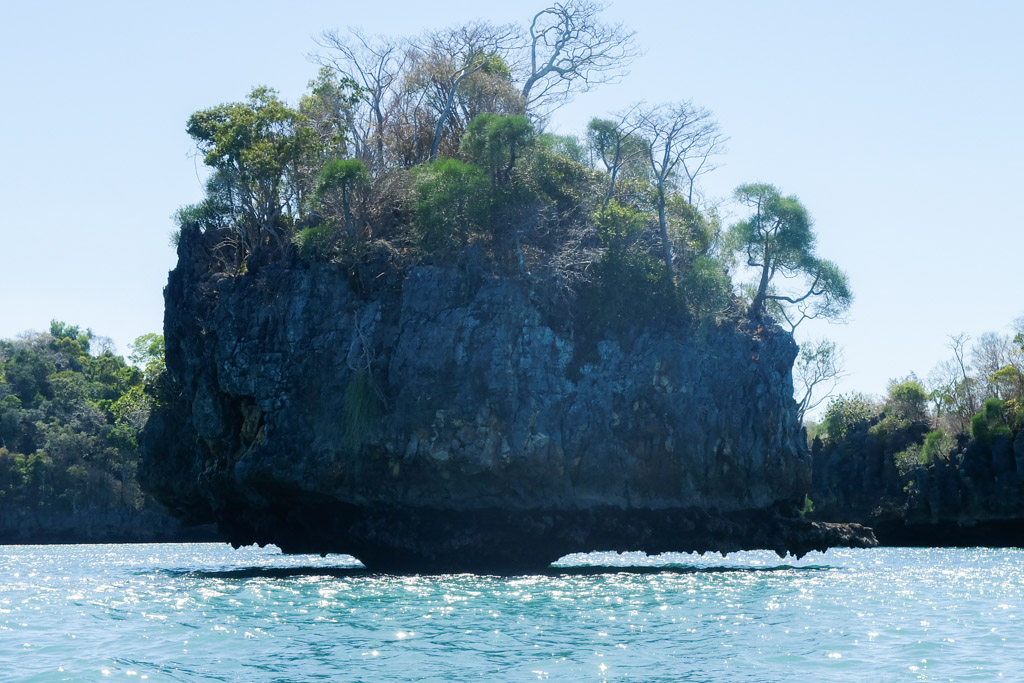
(410, 324)
(432, 420)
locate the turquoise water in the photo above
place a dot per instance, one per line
(206, 612)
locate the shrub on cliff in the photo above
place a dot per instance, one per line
(495, 143)
(555, 171)
(990, 422)
(705, 288)
(451, 204)
(341, 187)
(889, 424)
(317, 242)
(630, 283)
(937, 446)
(908, 459)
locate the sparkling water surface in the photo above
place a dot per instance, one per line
(198, 612)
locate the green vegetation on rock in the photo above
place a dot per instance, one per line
(443, 306)
(944, 451)
(433, 151)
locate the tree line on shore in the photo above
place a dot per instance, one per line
(973, 399)
(71, 411)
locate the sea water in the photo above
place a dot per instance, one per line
(199, 612)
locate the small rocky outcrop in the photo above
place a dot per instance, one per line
(431, 418)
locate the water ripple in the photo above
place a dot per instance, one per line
(206, 612)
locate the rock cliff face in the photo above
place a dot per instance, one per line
(435, 419)
(974, 496)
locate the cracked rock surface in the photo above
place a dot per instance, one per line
(431, 419)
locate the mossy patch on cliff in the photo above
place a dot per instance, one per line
(361, 410)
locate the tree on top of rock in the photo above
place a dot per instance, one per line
(778, 243)
(255, 148)
(570, 50)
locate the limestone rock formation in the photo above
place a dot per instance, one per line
(437, 418)
(973, 496)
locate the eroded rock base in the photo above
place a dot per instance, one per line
(403, 540)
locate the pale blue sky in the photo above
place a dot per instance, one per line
(897, 124)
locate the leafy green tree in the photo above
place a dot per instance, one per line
(110, 376)
(60, 330)
(328, 110)
(990, 422)
(489, 91)
(630, 283)
(347, 178)
(617, 146)
(621, 229)
(77, 478)
(908, 399)
(844, 413)
(256, 148)
(692, 232)
(566, 146)
(778, 242)
(554, 170)
(1008, 382)
(71, 397)
(149, 355)
(130, 412)
(26, 372)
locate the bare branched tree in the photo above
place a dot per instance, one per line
(376, 63)
(1018, 329)
(568, 50)
(952, 389)
(675, 133)
(989, 355)
(699, 160)
(816, 373)
(454, 54)
(406, 85)
(958, 344)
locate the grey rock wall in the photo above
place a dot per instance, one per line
(384, 413)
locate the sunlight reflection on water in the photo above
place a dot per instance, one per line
(204, 611)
